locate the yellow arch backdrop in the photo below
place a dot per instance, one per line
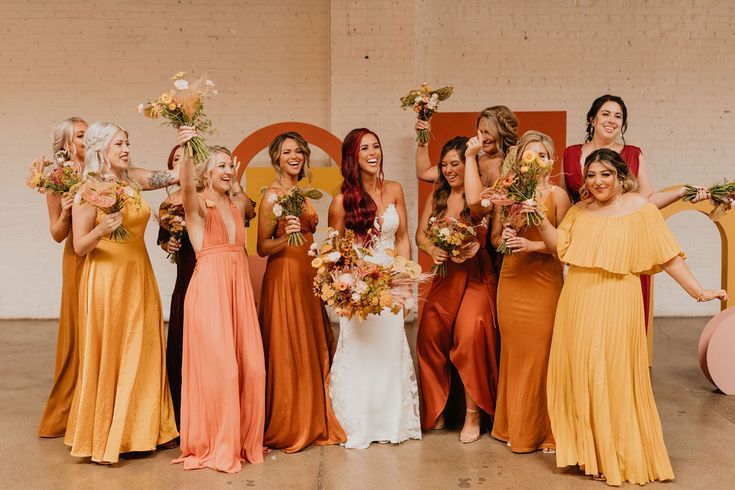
(726, 227)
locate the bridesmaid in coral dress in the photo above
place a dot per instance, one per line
(223, 372)
(185, 264)
(528, 290)
(122, 401)
(297, 336)
(603, 413)
(457, 339)
(69, 138)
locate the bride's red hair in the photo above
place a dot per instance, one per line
(359, 207)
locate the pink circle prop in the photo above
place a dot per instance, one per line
(721, 358)
(706, 335)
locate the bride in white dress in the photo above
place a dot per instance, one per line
(372, 382)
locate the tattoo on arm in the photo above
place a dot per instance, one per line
(159, 178)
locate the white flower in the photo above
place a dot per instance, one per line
(278, 210)
(333, 234)
(272, 198)
(181, 84)
(435, 97)
(486, 203)
(346, 278)
(410, 304)
(209, 83)
(141, 107)
(432, 219)
(332, 256)
(361, 287)
(355, 297)
(444, 232)
(77, 198)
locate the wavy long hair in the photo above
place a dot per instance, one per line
(97, 141)
(503, 126)
(360, 208)
(202, 171)
(442, 189)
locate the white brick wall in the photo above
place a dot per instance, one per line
(344, 63)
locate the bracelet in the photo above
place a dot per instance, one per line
(700, 297)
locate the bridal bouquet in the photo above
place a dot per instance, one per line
(454, 237)
(425, 102)
(291, 203)
(59, 176)
(171, 218)
(721, 195)
(517, 188)
(355, 286)
(184, 106)
(109, 196)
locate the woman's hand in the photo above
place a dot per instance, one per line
(440, 256)
(710, 294)
(172, 245)
(293, 225)
(422, 125)
(529, 206)
(473, 146)
(521, 245)
(508, 233)
(185, 134)
(702, 194)
(66, 202)
(109, 224)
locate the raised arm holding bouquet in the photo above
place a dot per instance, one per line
(425, 102)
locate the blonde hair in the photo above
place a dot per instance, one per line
(64, 135)
(503, 126)
(203, 170)
(97, 141)
(534, 137)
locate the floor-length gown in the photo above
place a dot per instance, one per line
(184, 269)
(458, 332)
(223, 372)
(56, 411)
(373, 385)
(122, 401)
(528, 291)
(298, 343)
(601, 405)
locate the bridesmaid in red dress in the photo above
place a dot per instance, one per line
(223, 371)
(297, 337)
(457, 343)
(607, 121)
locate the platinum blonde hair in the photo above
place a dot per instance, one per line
(202, 171)
(97, 141)
(64, 136)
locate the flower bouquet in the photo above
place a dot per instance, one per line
(425, 102)
(722, 197)
(109, 196)
(517, 188)
(171, 218)
(184, 106)
(59, 177)
(454, 237)
(291, 203)
(355, 286)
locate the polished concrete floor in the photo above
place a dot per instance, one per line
(699, 427)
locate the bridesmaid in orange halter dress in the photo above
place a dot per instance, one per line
(457, 343)
(69, 138)
(223, 372)
(297, 336)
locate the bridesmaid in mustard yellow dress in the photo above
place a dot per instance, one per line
(601, 403)
(297, 336)
(122, 401)
(69, 138)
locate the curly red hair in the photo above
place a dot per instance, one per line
(360, 208)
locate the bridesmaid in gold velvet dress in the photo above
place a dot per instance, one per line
(530, 281)
(122, 401)
(457, 333)
(297, 336)
(69, 138)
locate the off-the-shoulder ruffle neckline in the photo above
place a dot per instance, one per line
(602, 216)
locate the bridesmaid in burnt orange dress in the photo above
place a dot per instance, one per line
(297, 336)
(530, 282)
(223, 373)
(457, 340)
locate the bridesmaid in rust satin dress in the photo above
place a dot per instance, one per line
(297, 336)
(530, 282)
(457, 340)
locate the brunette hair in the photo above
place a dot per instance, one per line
(595, 108)
(359, 207)
(274, 151)
(612, 160)
(170, 161)
(503, 123)
(442, 189)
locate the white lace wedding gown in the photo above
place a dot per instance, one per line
(373, 385)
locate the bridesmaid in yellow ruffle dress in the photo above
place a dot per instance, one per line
(122, 401)
(600, 400)
(69, 138)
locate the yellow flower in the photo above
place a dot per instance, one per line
(171, 106)
(178, 75)
(529, 156)
(524, 169)
(385, 299)
(165, 98)
(316, 263)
